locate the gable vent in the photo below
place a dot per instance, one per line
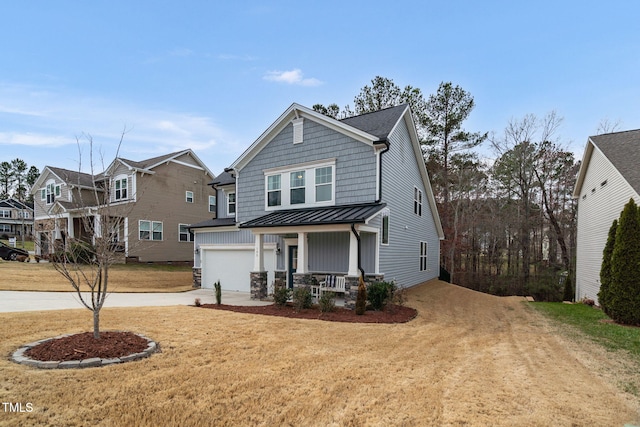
(297, 131)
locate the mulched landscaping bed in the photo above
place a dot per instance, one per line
(391, 313)
(84, 346)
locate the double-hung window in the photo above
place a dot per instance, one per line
(50, 193)
(189, 196)
(417, 201)
(297, 188)
(303, 185)
(150, 230)
(184, 235)
(121, 189)
(231, 204)
(385, 228)
(423, 256)
(274, 190)
(324, 184)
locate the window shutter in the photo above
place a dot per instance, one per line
(297, 131)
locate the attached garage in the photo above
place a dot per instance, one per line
(232, 265)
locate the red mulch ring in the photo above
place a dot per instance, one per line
(391, 314)
(84, 346)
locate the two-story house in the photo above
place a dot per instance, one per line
(149, 203)
(314, 196)
(16, 218)
(609, 176)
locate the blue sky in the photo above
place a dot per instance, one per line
(212, 76)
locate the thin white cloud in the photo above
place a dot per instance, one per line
(293, 77)
(43, 129)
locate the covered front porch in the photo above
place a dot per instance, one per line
(315, 243)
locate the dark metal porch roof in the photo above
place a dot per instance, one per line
(344, 214)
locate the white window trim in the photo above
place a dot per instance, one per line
(190, 235)
(151, 228)
(310, 185)
(120, 178)
(214, 204)
(186, 196)
(235, 203)
(385, 214)
(424, 258)
(418, 199)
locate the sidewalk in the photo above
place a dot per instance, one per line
(11, 301)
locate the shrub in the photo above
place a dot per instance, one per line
(302, 298)
(604, 294)
(361, 298)
(281, 295)
(380, 294)
(327, 302)
(218, 288)
(624, 288)
(80, 252)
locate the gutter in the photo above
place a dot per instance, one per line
(355, 233)
(384, 150)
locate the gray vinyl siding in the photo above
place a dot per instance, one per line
(598, 206)
(400, 259)
(355, 170)
(329, 252)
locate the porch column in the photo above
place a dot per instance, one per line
(302, 253)
(258, 261)
(70, 227)
(97, 225)
(353, 255)
(126, 237)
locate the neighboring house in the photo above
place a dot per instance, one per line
(16, 218)
(314, 196)
(609, 176)
(152, 203)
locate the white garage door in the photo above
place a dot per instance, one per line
(232, 268)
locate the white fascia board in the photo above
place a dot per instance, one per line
(586, 159)
(297, 111)
(302, 229)
(415, 142)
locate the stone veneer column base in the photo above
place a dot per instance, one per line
(197, 277)
(351, 287)
(258, 285)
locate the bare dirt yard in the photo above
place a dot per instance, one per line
(466, 359)
(32, 276)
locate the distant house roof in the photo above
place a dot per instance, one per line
(345, 214)
(215, 222)
(15, 204)
(72, 177)
(379, 123)
(223, 179)
(622, 149)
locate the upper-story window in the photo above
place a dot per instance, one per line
(231, 204)
(274, 190)
(212, 203)
(297, 188)
(120, 186)
(50, 192)
(189, 196)
(417, 201)
(5, 214)
(305, 185)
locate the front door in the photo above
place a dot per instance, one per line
(292, 264)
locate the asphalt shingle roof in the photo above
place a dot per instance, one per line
(623, 151)
(344, 214)
(73, 177)
(378, 123)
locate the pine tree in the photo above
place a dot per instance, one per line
(624, 288)
(605, 270)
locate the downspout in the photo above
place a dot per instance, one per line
(355, 233)
(384, 150)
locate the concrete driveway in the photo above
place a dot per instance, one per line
(11, 301)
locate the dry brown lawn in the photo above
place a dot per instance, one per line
(31, 276)
(467, 359)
